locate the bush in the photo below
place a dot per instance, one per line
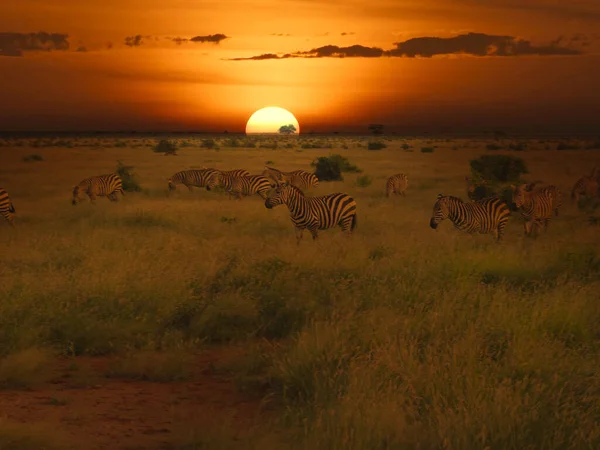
(567, 146)
(31, 158)
(130, 183)
(165, 146)
(405, 146)
(208, 143)
(518, 146)
(330, 168)
(493, 147)
(427, 149)
(363, 181)
(498, 168)
(376, 145)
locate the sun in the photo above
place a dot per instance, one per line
(269, 120)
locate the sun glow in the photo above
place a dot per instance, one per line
(269, 120)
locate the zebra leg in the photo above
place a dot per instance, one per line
(315, 234)
(92, 198)
(527, 228)
(189, 187)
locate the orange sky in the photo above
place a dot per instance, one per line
(528, 64)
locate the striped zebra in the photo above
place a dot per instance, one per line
(299, 178)
(536, 206)
(189, 178)
(396, 184)
(240, 185)
(551, 190)
(101, 186)
(487, 216)
(315, 213)
(7, 209)
(587, 186)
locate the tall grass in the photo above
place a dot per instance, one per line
(397, 337)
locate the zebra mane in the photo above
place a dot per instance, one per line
(440, 196)
(293, 188)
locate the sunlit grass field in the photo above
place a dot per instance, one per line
(398, 337)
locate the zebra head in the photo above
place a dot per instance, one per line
(273, 175)
(76, 198)
(440, 211)
(281, 195)
(519, 194)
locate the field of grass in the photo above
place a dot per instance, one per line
(398, 337)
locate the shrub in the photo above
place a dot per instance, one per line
(165, 146)
(363, 181)
(493, 147)
(498, 168)
(376, 145)
(31, 158)
(567, 146)
(405, 146)
(208, 143)
(518, 146)
(330, 168)
(130, 183)
(427, 149)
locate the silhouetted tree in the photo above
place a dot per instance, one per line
(287, 129)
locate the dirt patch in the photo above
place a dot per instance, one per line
(89, 410)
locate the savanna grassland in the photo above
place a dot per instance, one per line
(186, 320)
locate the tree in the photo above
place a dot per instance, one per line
(287, 129)
(376, 128)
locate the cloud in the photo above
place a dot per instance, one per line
(14, 44)
(345, 33)
(135, 41)
(216, 38)
(474, 44)
(280, 34)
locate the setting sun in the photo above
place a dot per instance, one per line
(270, 120)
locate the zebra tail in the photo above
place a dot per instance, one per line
(353, 224)
(11, 207)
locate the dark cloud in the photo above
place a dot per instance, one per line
(345, 33)
(216, 38)
(135, 41)
(474, 44)
(14, 44)
(280, 34)
(179, 40)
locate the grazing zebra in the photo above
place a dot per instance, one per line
(189, 178)
(240, 185)
(103, 186)
(7, 209)
(536, 206)
(587, 186)
(487, 216)
(551, 190)
(315, 213)
(299, 178)
(396, 184)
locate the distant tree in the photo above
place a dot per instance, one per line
(376, 128)
(287, 129)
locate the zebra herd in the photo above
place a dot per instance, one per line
(486, 216)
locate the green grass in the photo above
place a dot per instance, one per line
(398, 337)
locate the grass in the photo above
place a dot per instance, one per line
(399, 337)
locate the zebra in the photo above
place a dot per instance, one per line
(7, 209)
(104, 186)
(299, 178)
(189, 178)
(315, 213)
(587, 186)
(551, 190)
(396, 184)
(240, 185)
(536, 206)
(487, 216)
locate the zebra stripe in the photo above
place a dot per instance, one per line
(7, 209)
(241, 185)
(536, 206)
(396, 184)
(587, 186)
(299, 178)
(101, 186)
(189, 178)
(487, 216)
(315, 213)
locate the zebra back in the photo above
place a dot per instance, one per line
(397, 183)
(191, 177)
(536, 204)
